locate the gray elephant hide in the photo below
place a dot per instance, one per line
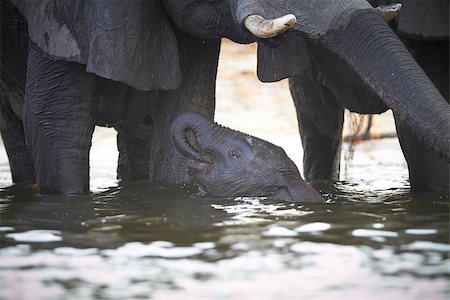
(127, 41)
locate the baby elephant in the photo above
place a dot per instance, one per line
(228, 163)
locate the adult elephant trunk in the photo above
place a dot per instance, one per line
(361, 58)
(369, 47)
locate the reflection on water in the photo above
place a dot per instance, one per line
(372, 239)
(169, 243)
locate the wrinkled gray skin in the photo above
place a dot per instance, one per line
(320, 99)
(56, 90)
(227, 163)
(423, 27)
(73, 71)
(342, 54)
(50, 107)
(175, 62)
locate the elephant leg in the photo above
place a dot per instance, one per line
(11, 128)
(134, 138)
(127, 110)
(13, 65)
(58, 122)
(199, 59)
(320, 120)
(134, 153)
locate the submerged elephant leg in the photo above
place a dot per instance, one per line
(58, 123)
(134, 153)
(320, 120)
(134, 135)
(13, 65)
(128, 111)
(11, 128)
(198, 58)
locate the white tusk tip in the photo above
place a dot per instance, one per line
(288, 20)
(389, 12)
(263, 28)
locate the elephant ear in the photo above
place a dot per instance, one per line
(424, 19)
(127, 41)
(289, 59)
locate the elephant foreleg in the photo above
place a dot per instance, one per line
(129, 111)
(320, 120)
(134, 154)
(58, 123)
(13, 64)
(133, 143)
(11, 128)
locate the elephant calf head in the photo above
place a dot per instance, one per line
(227, 163)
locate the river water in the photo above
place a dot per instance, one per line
(371, 240)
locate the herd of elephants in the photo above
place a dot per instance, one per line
(148, 69)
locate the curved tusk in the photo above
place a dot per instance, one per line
(389, 12)
(263, 28)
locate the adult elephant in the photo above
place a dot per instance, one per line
(345, 56)
(333, 30)
(70, 65)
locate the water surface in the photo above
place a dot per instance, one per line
(372, 240)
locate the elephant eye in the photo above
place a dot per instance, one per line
(234, 153)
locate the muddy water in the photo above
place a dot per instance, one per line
(372, 240)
